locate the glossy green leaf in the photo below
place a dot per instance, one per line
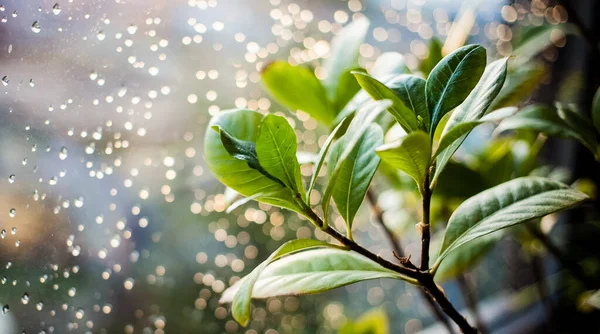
(521, 81)
(345, 47)
(435, 56)
(580, 124)
(236, 173)
(596, 110)
(542, 119)
(323, 154)
(378, 91)
(465, 118)
(389, 64)
(241, 295)
(359, 125)
(356, 173)
(297, 88)
(312, 271)
(452, 79)
(371, 322)
(458, 132)
(410, 154)
(505, 205)
(276, 150)
(346, 89)
(411, 90)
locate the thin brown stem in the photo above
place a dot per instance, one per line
(571, 265)
(413, 275)
(425, 226)
(470, 299)
(447, 307)
(399, 253)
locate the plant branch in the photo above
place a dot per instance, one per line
(411, 273)
(425, 227)
(398, 252)
(439, 296)
(468, 294)
(575, 269)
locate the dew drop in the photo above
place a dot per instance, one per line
(39, 306)
(5, 80)
(35, 27)
(101, 35)
(132, 29)
(12, 212)
(25, 299)
(5, 309)
(62, 154)
(11, 178)
(56, 9)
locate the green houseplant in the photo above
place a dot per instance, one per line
(256, 155)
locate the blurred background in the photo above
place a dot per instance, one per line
(111, 222)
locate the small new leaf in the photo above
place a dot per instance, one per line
(378, 91)
(411, 154)
(276, 151)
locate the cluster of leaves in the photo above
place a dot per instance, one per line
(436, 109)
(562, 121)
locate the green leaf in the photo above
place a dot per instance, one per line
(297, 88)
(241, 294)
(411, 91)
(371, 322)
(389, 64)
(596, 110)
(452, 79)
(538, 40)
(378, 91)
(458, 132)
(346, 89)
(238, 174)
(580, 124)
(543, 119)
(312, 271)
(505, 205)
(345, 48)
(276, 150)
(435, 56)
(466, 257)
(356, 173)
(521, 82)
(410, 154)
(323, 154)
(359, 125)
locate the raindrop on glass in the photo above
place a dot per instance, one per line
(11, 178)
(35, 27)
(25, 299)
(63, 153)
(56, 9)
(12, 212)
